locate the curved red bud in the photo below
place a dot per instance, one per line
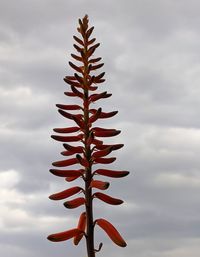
(99, 184)
(111, 173)
(91, 41)
(76, 57)
(92, 48)
(66, 114)
(66, 193)
(102, 153)
(98, 66)
(114, 147)
(67, 173)
(81, 226)
(79, 49)
(78, 40)
(95, 97)
(105, 160)
(79, 121)
(66, 130)
(107, 199)
(68, 106)
(95, 116)
(92, 88)
(71, 94)
(107, 133)
(71, 82)
(111, 231)
(98, 77)
(89, 32)
(70, 77)
(82, 161)
(94, 60)
(80, 79)
(96, 141)
(65, 163)
(62, 236)
(75, 149)
(69, 179)
(74, 203)
(67, 153)
(76, 92)
(105, 115)
(68, 138)
(78, 69)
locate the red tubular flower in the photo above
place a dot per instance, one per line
(107, 133)
(107, 199)
(63, 236)
(102, 153)
(66, 193)
(69, 179)
(67, 173)
(111, 231)
(66, 130)
(81, 226)
(67, 139)
(99, 184)
(105, 160)
(74, 149)
(86, 147)
(68, 106)
(65, 163)
(114, 147)
(74, 203)
(111, 173)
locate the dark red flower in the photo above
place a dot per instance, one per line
(86, 147)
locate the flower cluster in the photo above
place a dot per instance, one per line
(86, 147)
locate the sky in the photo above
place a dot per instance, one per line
(152, 62)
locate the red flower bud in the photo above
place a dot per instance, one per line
(111, 231)
(62, 236)
(99, 184)
(67, 173)
(67, 138)
(78, 69)
(75, 149)
(95, 116)
(102, 153)
(78, 40)
(107, 199)
(66, 193)
(71, 82)
(111, 173)
(74, 203)
(66, 130)
(114, 147)
(82, 161)
(81, 226)
(69, 179)
(68, 106)
(65, 163)
(105, 160)
(76, 57)
(95, 97)
(107, 133)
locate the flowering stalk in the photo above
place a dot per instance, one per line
(91, 149)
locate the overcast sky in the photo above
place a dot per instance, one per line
(151, 52)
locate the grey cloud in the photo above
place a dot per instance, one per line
(151, 61)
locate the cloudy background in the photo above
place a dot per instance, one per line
(152, 62)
